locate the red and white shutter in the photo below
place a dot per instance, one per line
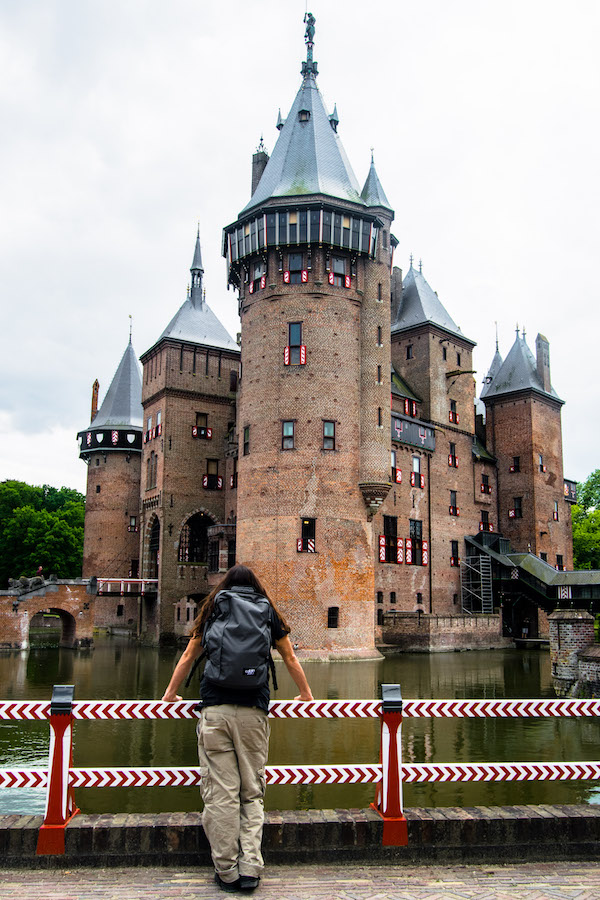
(398, 476)
(302, 355)
(382, 548)
(263, 282)
(399, 551)
(304, 276)
(331, 278)
(422, 480)
(347, 281)
(205, 481)
(299, 545)
(286, 356)
(286, 277)
(408, 559)
(425, 553)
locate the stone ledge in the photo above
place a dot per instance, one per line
(446, 834)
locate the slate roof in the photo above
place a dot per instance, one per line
(518, 372)
(122, 405)
(372, 193)
(492, 372)
(197, 324)
(308, 157)
(420, 305)
(401, 389)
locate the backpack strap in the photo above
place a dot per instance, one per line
(194, 667)
(273, 673)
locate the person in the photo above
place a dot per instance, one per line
(233, 744)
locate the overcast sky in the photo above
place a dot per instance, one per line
(127, 122)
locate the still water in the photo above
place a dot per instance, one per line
(117, 669)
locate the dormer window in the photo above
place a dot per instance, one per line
(303, 115)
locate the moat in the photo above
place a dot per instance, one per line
(117, 668)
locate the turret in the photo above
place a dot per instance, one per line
(311, 260)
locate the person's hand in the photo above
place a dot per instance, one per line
(305, 697)
(169, 699)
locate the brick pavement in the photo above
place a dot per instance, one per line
(529, 881)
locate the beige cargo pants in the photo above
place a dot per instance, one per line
(233, 743)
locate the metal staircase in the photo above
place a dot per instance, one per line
(476, 584)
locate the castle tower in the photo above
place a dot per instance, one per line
(437, 497)
(310, 256)
(523, 431)
(111, 447)
(187, 489)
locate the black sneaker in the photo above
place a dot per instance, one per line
(248, 882)
(231, 887)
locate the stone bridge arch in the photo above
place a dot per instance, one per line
(72, 601)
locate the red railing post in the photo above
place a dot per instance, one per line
(60, 800)
(388, 799)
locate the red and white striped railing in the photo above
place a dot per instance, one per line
(127, 585)
(61, 778)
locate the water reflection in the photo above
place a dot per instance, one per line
(118, 669)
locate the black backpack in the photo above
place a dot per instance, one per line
(237, 641)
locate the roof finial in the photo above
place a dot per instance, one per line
(421, 266)
(372, 160)
(411, 260)
(523, 335)
(517, 329)
(309, 67)
(130, 326)
(261, 146)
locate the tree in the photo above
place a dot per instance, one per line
(586, 523)
(40, 526)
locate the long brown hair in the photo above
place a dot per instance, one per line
(237, 576)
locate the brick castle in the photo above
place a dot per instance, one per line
(338, 447)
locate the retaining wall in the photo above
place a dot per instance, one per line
(417, 632)
(446, 834)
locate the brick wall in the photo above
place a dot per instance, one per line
(571, 631)
(72, 601)
(412, 632)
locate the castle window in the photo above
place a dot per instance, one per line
(333, 616)
(337, 276)
(379, 417)
(213, 556)
(517, 510)
(452, 458)
(485, 524)
(328, 435)
(416, 542)
(133, 526)
(295, 262)
(486, 487)
(392, 596)
(453, 414)
(454, 510)
(97, 461)
(306, 543)
(97, 488)
(444, 353)
(409, 351)
(379, 297)
(516, 464)
(419, 597)
(230, 553)
(295, 352)
(379, 616)
(304, 115)
(288, 435)
(544, 557)
(271, 237)
(283, 228)
(246, 445)
(337, 229)
(380, 596)
(454, 558)
(559, 562)
(379, 381)
(233, 381)
(193, 541)
(396, 473)
(555, 513)
(390, 535)
(458, 359)
(379, 340)
(541, 463)
(120, 609)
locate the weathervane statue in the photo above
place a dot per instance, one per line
(309, 65)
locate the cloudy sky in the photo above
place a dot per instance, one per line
(127, 122)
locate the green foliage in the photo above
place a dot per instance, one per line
(588, 492)
(40, 526)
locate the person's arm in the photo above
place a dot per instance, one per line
(182, 669)
(284, 646)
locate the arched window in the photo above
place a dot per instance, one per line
(153, 549)
(193, 541)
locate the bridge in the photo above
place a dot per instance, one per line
(71, 600)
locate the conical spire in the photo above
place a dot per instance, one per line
(372, 193)
(197, 270)
(493, 370)
(122, 405)
(420, 305)
(308, 157)
(518, 372)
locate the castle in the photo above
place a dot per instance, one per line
(338, 447)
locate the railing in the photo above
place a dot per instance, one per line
(61, 778)
(124, 586)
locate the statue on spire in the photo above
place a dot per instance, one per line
(309, 67)
(309, 21)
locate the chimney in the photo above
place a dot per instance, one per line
(95, 389)
(542, 352)
(259, 162)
